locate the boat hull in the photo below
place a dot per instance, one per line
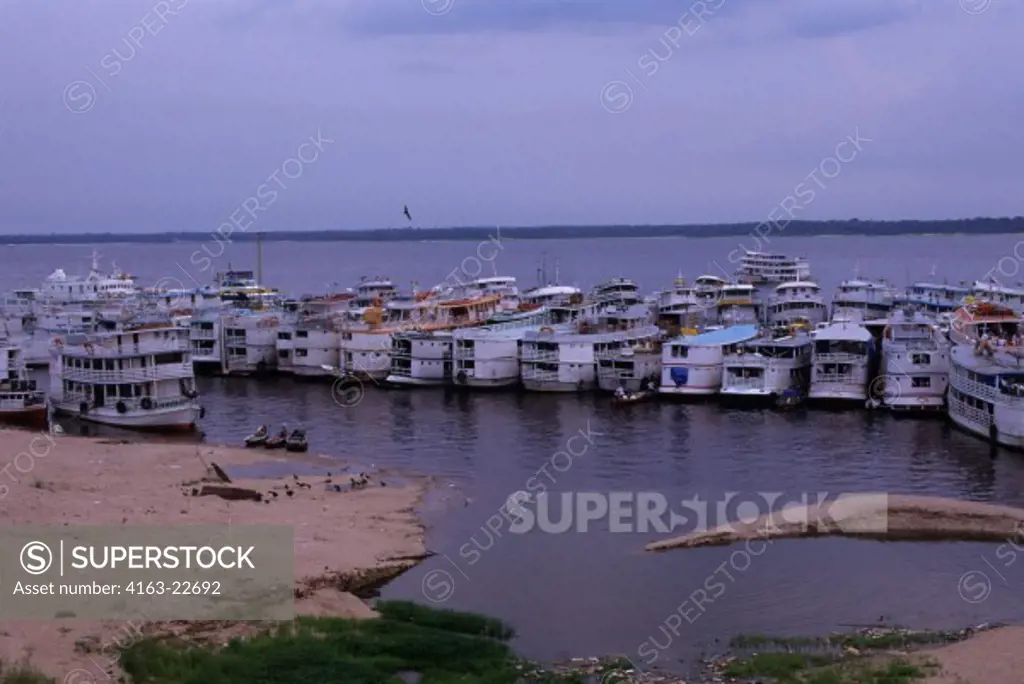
(407, 381)
(559, 386)
(31, 417)
(748, 397)
(181, 419)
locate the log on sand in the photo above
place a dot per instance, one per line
(871, 516)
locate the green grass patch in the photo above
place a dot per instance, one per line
(21, 674)
(445, 647)
(797, 668)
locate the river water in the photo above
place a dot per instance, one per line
(597, 591)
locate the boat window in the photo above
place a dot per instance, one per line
(921, 359)
(921, 381)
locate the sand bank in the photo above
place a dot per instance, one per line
(344, 541)
(873, 516)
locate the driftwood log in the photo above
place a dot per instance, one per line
(231, 493)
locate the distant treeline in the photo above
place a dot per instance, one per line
(793, 229)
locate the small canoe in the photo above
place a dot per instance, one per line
(634, 397)
(297, 441)
(789, 399)
(256, 440)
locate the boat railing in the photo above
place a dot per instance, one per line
(199, 333)
(131, 403)
(832, 378)
(530, 354)
(729, 380)
(168, 371)
(839, 357)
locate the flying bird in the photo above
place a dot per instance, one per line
(406, 212)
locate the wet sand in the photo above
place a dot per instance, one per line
(872, 516)
(344, 541)
(992, 657)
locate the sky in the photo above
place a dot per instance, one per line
(145, 116)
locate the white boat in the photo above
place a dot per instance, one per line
(997, 293)
(421, 359)
(367, 343)
(631, 368)
(504, 287)
(249, 340)
(681, 308)
(616, 291)
(862, 300)
(934, 298)
(759, 268)
(841, 362)
(692, 365)
(738, 304)
(915, 363)
(986, 381)
(204, 334)
(763, 368)
(240, 289)
(797, 302)
(139, 377)
(488, 356)
(708, 289)
(310, 338)
(555, 360)
(97, 286)
(21, 403)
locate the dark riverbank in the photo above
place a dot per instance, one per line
(776, 225)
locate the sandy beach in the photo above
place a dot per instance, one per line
(344, 541)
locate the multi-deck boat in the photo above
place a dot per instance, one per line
(915, 363)
(21, 403)
(680, 308)
(240, 289)
(249, 341)
(797, 302)
(421, 358)
(367, 344)
(617, 291)
(488, 356)
(708, 289)
(692, 365)
(738, 304)
(310, 338)
(762, 369)
(138, 376)
(842, 361)
(559, 361)
(996, 293)
(204, 334)
(763, 267)
(632, 368)
(934, 298)
(98, 286)
(862, 300)
(986, 381)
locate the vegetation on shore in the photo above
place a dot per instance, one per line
(804, 668)
(408, 642)
(777, 225)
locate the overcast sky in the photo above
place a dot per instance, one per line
(119, 115)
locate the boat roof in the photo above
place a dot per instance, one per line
(550, 290)
(787, 341)
(730, 335)
(1002, 361)
(844, 331)
(942, 286)
(798, 283)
